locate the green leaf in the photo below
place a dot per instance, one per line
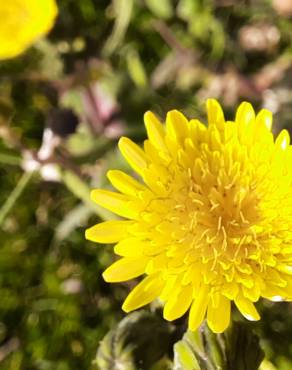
(81, 190)
(123, 13)
(10, 159)
(243, 351)
(14, 195)
(136, 68)
(267, 365)
(138, 342)
(77, 216)
(162, 8)
(238, 348)
(50, 65)
(184, 357)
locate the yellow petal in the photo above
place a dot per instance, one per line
(125, 269)
(265, 118)
(124, 183)
(171, 285)
(131, 247)
(108, 231)
(24, 22)
(230, 290)
(253, 294)
(115, 202)
(215, 113)
(218, 318)
(178, 304)
(287, 269)
(245, 118)
(157, 263)
(288, 289)
(155, 130)
(143, 293)
(245, 114)
(134, 155)
(176, 125)
(247, 308)
(154, 155)
(198, 309)
(283, 140)
(275, 293)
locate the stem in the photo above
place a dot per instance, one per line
(14, 195)
(12, 160)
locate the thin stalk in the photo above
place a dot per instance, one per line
(14, 195)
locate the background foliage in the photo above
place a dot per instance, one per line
(108, 62)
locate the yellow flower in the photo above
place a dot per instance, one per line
(212, 221)
(22, 23)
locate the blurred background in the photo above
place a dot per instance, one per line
(64, 103)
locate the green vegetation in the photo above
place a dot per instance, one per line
(109, 62)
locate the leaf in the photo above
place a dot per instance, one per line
(81, 190)
(238, 348)
(184, 357)
(162, 8)
(76, 217)
(123, 13)
(267, 365)
(14, 195)
(50, 64)
(138, 342)
(136, 68)
(243, 351)
(9, 159)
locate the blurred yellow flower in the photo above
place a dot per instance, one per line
(23, 22)
(212, 222)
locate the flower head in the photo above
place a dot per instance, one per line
(22, 23)
(211, 220)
